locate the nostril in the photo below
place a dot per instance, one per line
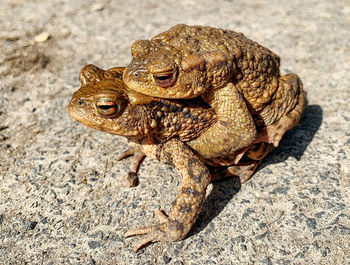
(136, 72)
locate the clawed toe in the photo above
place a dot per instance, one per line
(139, 231)
(150, 234)
(130, 180)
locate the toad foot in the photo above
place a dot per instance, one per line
(166, 230)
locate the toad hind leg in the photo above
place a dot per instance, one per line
(285, 110)
(187, 205)
(235, 128)
(246, 168)
(243, 171)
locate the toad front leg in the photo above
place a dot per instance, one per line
(131, 179)
(187, 206)
(235, 128)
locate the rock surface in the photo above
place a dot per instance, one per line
(61, 197)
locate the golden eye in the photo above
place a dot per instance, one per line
(107, 107)
(164, 79)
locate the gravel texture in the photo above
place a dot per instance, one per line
(61, 197)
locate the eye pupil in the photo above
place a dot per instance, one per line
(80, 102)
(164, 79)
(106, 107)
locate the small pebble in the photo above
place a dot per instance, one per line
(97, 7)
(42, 37)
(93, 244)
(31, 225)
(164, 259)
(311, 223)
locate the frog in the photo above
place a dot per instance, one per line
(160, 129)
(239, 78)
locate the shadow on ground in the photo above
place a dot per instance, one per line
(294, 143)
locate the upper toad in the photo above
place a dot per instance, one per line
(236, 76)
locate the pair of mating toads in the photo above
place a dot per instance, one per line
(208, 101)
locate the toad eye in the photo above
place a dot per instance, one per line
(107, 107)
(164, 79)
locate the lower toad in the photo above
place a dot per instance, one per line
(161, 129)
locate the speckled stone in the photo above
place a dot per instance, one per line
(61, 197)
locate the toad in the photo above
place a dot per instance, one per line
(162, 130)
(236, 76)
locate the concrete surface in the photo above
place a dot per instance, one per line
(61, 201)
